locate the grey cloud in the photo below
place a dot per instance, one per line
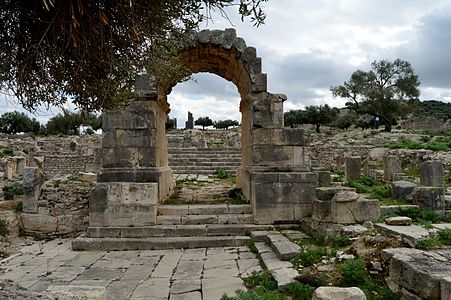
(430, 52)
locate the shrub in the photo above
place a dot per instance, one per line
(263, 279)
(221, 173)
(359, 187)
(310, 257)
(19, 207)
(338, 241)
(444, 237)
(353, 272)
(381, 192)
(11, 190)
(299, 291)
(7, 152)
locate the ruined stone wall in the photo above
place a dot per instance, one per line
(62, 155)
(62, 209)
(327, 157)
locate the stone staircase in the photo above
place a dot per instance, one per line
(203, 161)
(178, 226)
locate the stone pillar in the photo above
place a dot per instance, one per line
(432, 173)
(352, 168)
(190, 123)
(33, 181)
(135, 175)
(392, 167)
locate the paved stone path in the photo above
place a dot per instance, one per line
(148, 274)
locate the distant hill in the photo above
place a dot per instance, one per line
(437, 109)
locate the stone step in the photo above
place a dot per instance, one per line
(194, 169)
(281, 246)
(210, 209)
(178, 160)
(176, 230)
(282, 271)
(205, 219)
(156, 243)
(203, 150)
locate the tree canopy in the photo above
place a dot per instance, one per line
(316, 115)
(388, 90)
(204, 122)
(225, 124)
(90, 51)
(16, 122)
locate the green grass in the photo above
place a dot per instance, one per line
(262, 286)
(442, 238)
(309, 257)
(19, 207)
(338, 241)
(391, 201)
(222, 174)
(381, 192)
(354, 273)
(440, 144)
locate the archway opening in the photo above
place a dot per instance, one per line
(204, 159)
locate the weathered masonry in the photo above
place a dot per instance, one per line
(135, 177)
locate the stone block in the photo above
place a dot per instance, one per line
(324, 178)
(398, 221)
(87, 176)
(296, 193)
(430, 198)
(432, 173)
(352, 168)
(37, 222)
(289, 136)
(120, 157)
(366, 210)
(392, 165)
(302, 211)
(327, 193)
(345, 196)
(298, 177)
(135, 138)
(32, 183)
(402, 189)
(321, 211)
(338, 293)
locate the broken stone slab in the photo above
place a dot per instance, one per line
(352, 168)
(327, 193)
(353, 230)
(410, 234)
(442, 226)
(425, 275)
(396, 209)
(403, 189)
(338, 293)
(345, 196)
(398, 221)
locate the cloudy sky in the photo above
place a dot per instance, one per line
(308, 46)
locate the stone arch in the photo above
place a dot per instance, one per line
(222, 53)
(134, 144)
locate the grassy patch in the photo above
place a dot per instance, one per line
(222, 174)
(391, 201)
(338, 241)
(262, 286)
(439, 144)
(310, 257)
(354, 274)
(12, 189)
(443, 238)
(19, 207)
(381, 192)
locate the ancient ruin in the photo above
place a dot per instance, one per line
(194, 214)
